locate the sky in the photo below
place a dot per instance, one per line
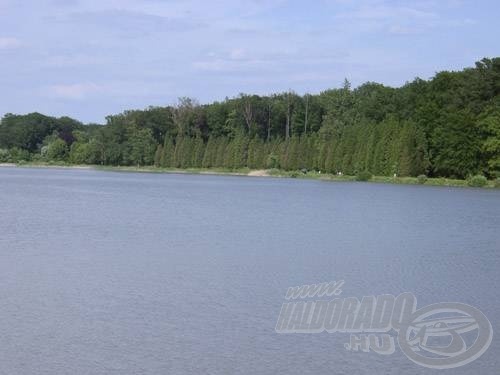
(91, 58)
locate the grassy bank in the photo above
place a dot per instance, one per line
(439, 181)
(264, 173)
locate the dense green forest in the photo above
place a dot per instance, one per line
(446, 126)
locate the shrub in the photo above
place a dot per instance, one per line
(477, 181)
(57, 150)
(364, 176)
(497, 182)
(273, 161)
(422, 179)
(4, 155)
(294, 174)
(18, 154)
(36, 157)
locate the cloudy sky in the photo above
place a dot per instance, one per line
(90, 58)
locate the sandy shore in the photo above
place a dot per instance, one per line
(259, 173)
(13, 165)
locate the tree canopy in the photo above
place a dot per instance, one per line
(446, 126)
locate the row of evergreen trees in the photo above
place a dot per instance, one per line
(385, 149)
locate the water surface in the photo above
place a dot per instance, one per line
(123, 273)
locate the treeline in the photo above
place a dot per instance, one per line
(447, 126)
(385, 149)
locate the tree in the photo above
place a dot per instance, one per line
(140, 146)
(167, 156)
(83, 153)
(56, 150)
(184, 115)
(456, 144)
(489, 123)
(158, 156)
(444, 126)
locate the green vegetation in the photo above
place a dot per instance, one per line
(422, 179)
(364, 176)
(314, 175)
(477, 181)
(446, 128)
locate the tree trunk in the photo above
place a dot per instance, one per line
(248, 113)
(307, 113)
(269, 121)
(287, 128)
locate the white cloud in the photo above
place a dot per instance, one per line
(395, 19)
(399, 17)
(237, 54)
(224, 65)
(62, 61)
(122, 54)
(385, 12)
(74, 91)
(8, 43)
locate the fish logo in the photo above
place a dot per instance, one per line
(445, 335)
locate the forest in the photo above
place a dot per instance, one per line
(447, 126)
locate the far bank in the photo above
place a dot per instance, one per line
(420, 180)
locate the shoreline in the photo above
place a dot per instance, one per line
(276, 173)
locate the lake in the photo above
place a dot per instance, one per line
(131, 273)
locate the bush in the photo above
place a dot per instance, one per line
(422, 179)
(18, 154)
(294, 174)
(57, 150)
(4, 155)
(497, 183)
(83, 153)
(364, 176)
(273, 161)
(477, 181)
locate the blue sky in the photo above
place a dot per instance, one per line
(91, 58)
